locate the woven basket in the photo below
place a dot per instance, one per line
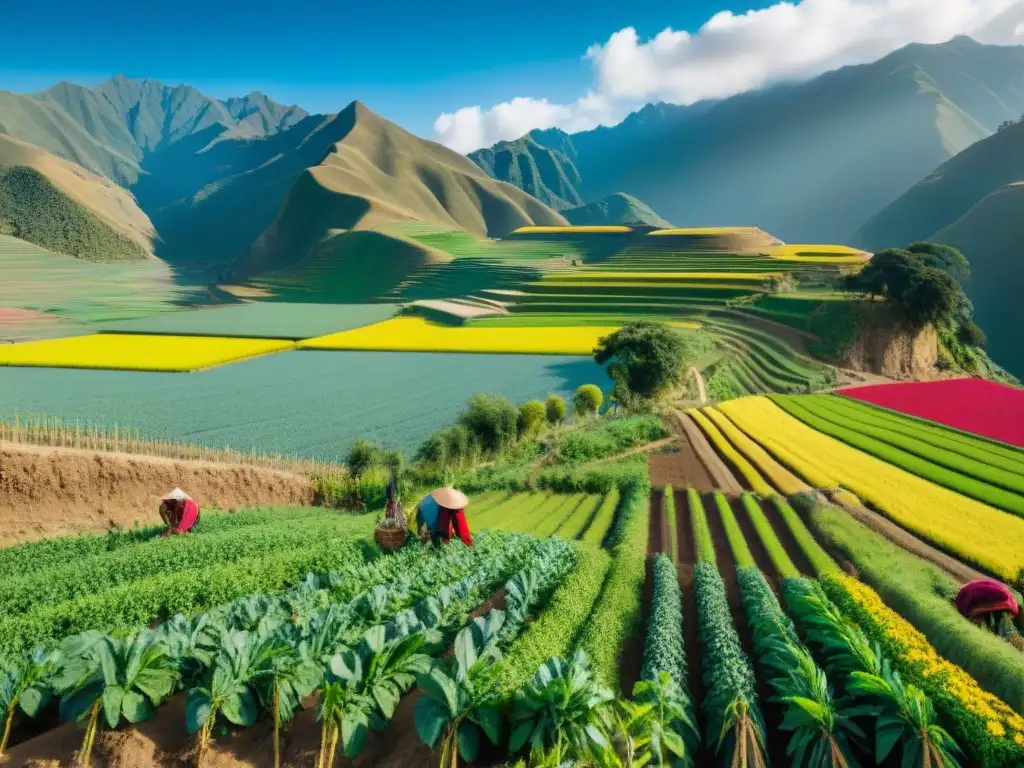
(390, 538)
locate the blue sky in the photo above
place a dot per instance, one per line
(409, 61)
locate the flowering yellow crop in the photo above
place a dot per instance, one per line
(702, 230)
(751, 475)
(416, 334)
(540, 230)
(978, 533)
(137, 352)
(945, 682)
(826, 254)
(668, 276)
(780, 477)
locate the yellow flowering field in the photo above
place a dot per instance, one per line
(594, 230)
(416, 334)
(780, 477)
(826, 254)
(137, 352)
(757, 483)
(978, 533)
(995, 730)
(596, 274)
(700, 231)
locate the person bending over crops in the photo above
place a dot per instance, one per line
(441, 515)
(179, 512)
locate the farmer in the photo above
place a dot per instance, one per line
(441, 515)
(179, 512)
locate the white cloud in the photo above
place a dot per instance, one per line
(729, 54)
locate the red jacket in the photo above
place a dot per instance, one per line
(452, 521)
(189, 517)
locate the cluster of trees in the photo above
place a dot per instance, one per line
(1007, 123)
(492, 425)
(645, 360)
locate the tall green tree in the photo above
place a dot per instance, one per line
(644, 359)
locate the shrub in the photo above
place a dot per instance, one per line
(532, 416)
(554, 409)
(452, 446)
(608, 437)
(492, 420)
(587, 400)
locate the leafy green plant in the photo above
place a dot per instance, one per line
(658, 727)
(345, 709)
(26, 686)
(663, 646)
(735, 729)
(118, 678)
(554, 409)
(285, 677)
(459, 705)
(824, 731)
(564, 713)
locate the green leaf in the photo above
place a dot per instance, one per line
(886, 737)
(520, 735)
(431, 720)
(136, 707)
(469, 740)
(489, 720)
(353, 734)
(386, 699)
(198, 709)
(112, 697)
(439, 686)
(75, 705)
(241, 708)
(33, 699)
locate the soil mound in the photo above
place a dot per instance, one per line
(48, 491)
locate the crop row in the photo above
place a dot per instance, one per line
(978, 533)
(723, 446)
(778, 475)
(175, 554)
(987, 484)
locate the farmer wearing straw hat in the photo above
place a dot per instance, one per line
(179, 512)
(441, 515)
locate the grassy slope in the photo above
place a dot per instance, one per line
(618, 208)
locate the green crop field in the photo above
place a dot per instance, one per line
(309, 404)
(267, 320)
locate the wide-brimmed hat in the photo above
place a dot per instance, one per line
(449, 498)
(176, 495)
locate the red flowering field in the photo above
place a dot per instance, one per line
(973, 405)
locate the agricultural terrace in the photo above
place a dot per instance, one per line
(416, 334)
(137, 352)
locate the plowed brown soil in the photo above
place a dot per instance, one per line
(687, 559)
(48, 491)
(679, 467)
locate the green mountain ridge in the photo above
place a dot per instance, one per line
(546, 173)
(973, 202)
(808, 161)
(619, 208)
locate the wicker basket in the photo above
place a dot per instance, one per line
(390, 538)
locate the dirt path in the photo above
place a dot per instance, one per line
(656, 525)
(687, 559)
(698, 377)
(645, 448)
(47, 491)
(683, 467)
(957, 570)
(722, 478)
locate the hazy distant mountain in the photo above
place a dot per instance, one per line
(975, 202)
(809, 161)
(114, 128)
(619, 208)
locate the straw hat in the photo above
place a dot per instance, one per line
(176, 495)
(449, 498)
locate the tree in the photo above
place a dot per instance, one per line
(587, 400)
(944, 257)
(492, 420)
(554, 409)
(361, 457)
(532, 415)
(643, 358)
(931, 296)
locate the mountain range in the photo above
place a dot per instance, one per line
(808, 161)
